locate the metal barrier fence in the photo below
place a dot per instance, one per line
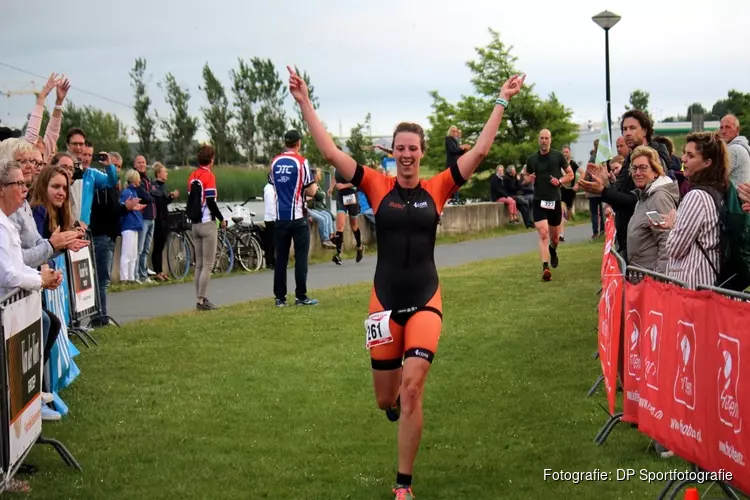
(21, 352)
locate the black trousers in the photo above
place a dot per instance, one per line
(269, 244)
(286, 232)
(161, 230)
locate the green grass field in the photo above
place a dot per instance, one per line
(256, 402)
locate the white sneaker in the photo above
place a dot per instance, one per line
(47, 397)
(150, 272)
(50, 414)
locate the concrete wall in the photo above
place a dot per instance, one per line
(475, 217)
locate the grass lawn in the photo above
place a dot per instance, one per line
(256, 402)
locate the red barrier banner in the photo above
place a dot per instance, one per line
(654, 315)
(634, 334)
(728, 353)
(609, 241)
(610, 324)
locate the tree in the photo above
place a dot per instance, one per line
(245, 95)
(271, 117)
(738, 104)
(180, 127)
(104, 130)
(217, 117)
(526, 115)
(695, 109)
(358, 139)
(145, 127)
(639, 100)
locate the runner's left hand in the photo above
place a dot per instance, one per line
(512, 86)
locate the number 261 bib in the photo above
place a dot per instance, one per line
(378, 329)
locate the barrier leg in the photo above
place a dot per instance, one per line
(61, 450)
(728, 490)
(596, 355)
(608, 427)
(89, 336)
(596, 385)
(78, 333)
(83, 332)
(110, 318)
(665, 490)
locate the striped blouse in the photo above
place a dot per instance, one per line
(697, 220)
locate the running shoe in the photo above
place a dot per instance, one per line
(336, 259)
(393, 413)
(360, 253)
(546, 274)
(403, 493)
(553, 260)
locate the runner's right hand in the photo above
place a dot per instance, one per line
(297, 86)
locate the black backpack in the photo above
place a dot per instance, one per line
(194, 206)
(734, 241)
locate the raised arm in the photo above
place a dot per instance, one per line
(34, 127)
(469, 162)
(344, 163)
(55, 122)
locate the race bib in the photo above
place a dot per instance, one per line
(350, 199)
(378, 329)
(548, 205)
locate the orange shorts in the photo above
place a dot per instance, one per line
(415, 334)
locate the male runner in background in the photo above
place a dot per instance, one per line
(545, 169)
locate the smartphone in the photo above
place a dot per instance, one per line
(655, 218)
(100, 157)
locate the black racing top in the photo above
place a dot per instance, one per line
(405, 275)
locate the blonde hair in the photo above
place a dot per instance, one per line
(9, 148)
(132, 175)
(158, 167)
(653, 159)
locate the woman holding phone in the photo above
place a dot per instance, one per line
(657, 194)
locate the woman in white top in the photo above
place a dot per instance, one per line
(695, 237)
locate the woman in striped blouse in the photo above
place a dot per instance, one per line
(696, 222)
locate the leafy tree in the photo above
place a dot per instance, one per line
(104, 130)
(639, 100)
(358, 139)
(145, 121)
(180, 127)
(245, 95)
(738, 104)
(309, 150)
(526, 115)
(271, 117)
(217, 117)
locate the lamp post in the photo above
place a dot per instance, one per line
(606, 20)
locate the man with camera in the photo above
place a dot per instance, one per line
(87, 180)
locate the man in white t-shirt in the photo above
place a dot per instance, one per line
(269, 218)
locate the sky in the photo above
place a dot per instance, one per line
(380, 57)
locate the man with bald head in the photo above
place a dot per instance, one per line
(739, 150)
(548, 170)
(146, 236)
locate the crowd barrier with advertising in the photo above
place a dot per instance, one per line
(21, 382)
(683, 359)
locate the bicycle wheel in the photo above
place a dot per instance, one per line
(178, 256)
(224, 261)
(191, 246)
(248, 253)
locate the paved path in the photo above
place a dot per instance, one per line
(162, 300)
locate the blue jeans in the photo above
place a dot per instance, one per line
(144, 246)
(325, 223)
(597, 218)
(104, 252)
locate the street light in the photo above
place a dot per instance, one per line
(607, 20)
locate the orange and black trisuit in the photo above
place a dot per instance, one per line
(406, 280)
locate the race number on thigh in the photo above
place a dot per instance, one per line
(548, 205)
(378, 329)
(350, 199)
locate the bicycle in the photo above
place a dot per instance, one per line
(246, 240)
(224, 261)
(180, 248)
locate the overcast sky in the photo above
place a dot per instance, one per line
(379, 56)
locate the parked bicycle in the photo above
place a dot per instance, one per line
(246, 239)
(180, 248)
